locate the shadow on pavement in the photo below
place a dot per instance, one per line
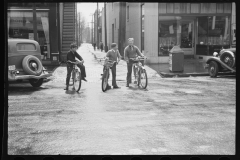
(135, 88)
(15, 90)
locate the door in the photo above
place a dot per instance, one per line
(187, 37)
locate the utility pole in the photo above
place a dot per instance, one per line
(105, 24)
(97, 28)
(92, 29)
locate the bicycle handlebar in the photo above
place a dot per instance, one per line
(138, 59)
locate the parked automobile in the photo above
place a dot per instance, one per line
(24, 62)
(224, 61)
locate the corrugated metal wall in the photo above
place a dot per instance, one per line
(68, 29)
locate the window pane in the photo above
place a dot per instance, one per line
(167, 34)
(26, 47)
(20, 24)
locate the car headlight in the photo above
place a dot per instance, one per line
(215, 54)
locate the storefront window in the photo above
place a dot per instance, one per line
(20, 25)
(167, 34)
(213, 34)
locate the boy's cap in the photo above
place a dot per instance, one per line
(73, 45)
(130, 39)
(113, 45)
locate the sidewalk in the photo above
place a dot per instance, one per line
(122, 66)
(192, 67)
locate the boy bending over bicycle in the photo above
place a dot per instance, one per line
(71, 57)
(113, 55)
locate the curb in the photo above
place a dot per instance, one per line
(167, 75)
(170, 75)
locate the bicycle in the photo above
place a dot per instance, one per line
(76, 79)
(140, 73)
(107, 65)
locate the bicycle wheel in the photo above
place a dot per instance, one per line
(142, 79)
(135, 72)
(71, 81)
(77, 81)
(104, 80)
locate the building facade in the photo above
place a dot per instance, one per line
(47, 23)
(198, 28)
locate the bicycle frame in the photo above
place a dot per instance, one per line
(107, 65)
(74, 71)
(138, 70)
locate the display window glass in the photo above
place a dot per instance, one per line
(213, 34)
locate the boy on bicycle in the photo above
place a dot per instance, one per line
(113, 55)
(131, 51)
(71, 57)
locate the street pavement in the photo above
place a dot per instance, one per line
(193, 115)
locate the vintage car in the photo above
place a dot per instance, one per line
(24, 62)
(224, 61)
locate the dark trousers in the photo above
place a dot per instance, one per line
(69, 71)
(113, 68)
(129, 68)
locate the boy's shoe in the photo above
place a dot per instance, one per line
(127, 85)
(66, 88)
(135, 82)
(109, 87)
(116, 87)
(84, 79)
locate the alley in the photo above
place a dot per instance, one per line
(194, 115)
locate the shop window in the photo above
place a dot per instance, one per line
(167, 34)
(20, 24)
(213, 34)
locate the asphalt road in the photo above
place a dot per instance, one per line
(194, 115)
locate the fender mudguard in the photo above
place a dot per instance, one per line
(217, 59)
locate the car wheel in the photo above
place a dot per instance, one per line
(32, 65)
(228, 59)
(213, 69)
(36, 82)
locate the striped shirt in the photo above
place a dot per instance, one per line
(131, 52)
(113, 55)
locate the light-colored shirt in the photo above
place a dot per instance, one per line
(113, 55)
(131, 52)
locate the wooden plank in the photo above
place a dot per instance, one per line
(68, 9)
(195, 8)
(176, 7)
(68, 27)
(219, 7)
(227, 7)
(170, 7)
(162, 8)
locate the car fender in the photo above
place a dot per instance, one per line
(217, 59)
